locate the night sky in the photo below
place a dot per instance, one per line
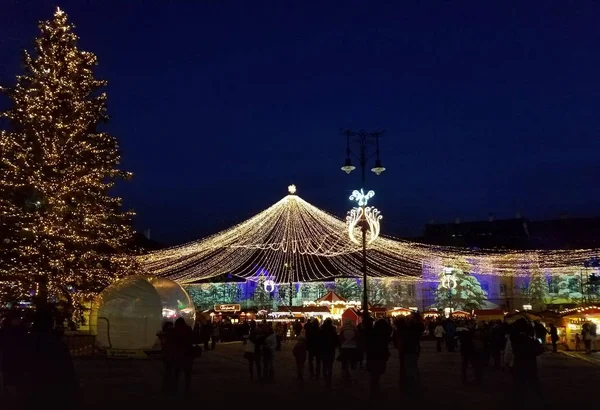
(219, 105)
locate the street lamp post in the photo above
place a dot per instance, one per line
(450, 284)
(366, 216)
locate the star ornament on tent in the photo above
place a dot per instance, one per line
(361, 198)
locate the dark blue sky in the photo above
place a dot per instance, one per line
(219, 105)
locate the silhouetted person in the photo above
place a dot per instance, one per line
(328, 343)
(586, 335)
(497, 343)
(439, 333)
(52, 379)
(412, 351)
(399, 338)
(525, 349)
(300, 357)
(206, 334)
(197, 332)
(279, 335)
(168, 358)
(183, 352)
(362, 344)
(268, 352)
(450, 329)
(377, 352)
(469, 352)
(554, 337)
(215, 334)
(245, 330)
(12, 351)
(297, 328)
(540, 332)
(311, 331)
(348, 348)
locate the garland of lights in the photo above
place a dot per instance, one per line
(318, 245)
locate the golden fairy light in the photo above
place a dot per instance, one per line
(317, 244)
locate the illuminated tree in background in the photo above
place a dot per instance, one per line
(347, 288)
(537, 289)
(260, 297)
(376, 291)
(396, 294)
(467, 294)
(63, 235)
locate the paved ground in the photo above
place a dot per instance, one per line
(221, 381)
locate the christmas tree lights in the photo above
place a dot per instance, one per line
(317, 244)
(63, 234)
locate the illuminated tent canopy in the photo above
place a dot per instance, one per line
(293, 241)
(129, 313)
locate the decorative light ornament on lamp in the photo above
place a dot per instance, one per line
(449, 280)
(269, 285)
(378, 168)
(348, 167)
(361, 198)
(371, 216)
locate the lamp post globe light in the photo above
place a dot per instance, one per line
(364, 216)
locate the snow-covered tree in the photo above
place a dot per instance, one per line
(348, 288)
(375, 291)
(283, 293)
(537, 290)
(467, 294)
(567, 287)
(262, 298)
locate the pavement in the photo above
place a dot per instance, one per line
(593, 358)
(220, 381)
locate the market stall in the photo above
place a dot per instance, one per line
(431, 314)
(573, 321)
(488, 315)
(399, 311)
(461, 315)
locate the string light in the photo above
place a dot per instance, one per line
(317, 244)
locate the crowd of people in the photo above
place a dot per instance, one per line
(317, 347)
(495, 345)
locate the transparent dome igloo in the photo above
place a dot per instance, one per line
(129, 313)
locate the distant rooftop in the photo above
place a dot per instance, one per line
(517, 233)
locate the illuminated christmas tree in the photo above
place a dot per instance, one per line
(63, 235)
